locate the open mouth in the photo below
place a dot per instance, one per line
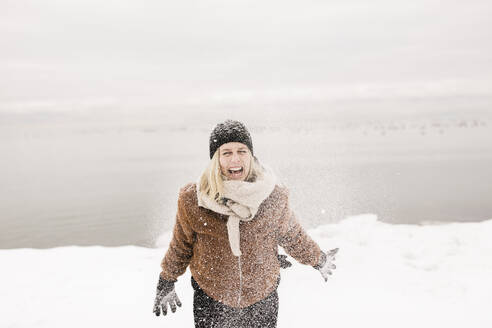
(236, 171)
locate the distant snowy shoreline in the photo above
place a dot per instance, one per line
(387, 275)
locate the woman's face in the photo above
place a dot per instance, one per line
(235, 160)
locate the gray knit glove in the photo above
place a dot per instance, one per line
(325, 264)
(165, 294)
(284, 263)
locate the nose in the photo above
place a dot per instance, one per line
(235, 158)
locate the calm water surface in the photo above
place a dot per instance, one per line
(66, 181)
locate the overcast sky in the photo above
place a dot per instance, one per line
(169, 51)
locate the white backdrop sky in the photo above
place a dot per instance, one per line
(94, 52)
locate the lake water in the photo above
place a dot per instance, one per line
(112, 177)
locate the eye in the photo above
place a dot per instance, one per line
(226, 153)
(243, 151)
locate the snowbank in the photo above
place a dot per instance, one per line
(387, 276)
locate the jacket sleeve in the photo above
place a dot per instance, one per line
(180, 249)
(294, 239)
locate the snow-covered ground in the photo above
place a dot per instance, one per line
(387, 276)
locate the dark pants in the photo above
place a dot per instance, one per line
(210, 313)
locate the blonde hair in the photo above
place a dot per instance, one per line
(212, 180)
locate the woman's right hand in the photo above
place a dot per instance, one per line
(165, 295)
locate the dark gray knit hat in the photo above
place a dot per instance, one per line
(229, 131)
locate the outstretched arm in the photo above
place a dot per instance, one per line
(294, 239)
(180, 249)
(175, 261)
(299, 245)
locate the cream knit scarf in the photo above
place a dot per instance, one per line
(241, 202)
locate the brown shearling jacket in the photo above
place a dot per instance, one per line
(200, 240)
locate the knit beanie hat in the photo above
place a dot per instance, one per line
(229, 131)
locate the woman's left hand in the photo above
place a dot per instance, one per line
(284, 264)
(325, 264)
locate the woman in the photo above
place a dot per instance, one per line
(228, 229)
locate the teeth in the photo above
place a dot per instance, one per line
(236, 170)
